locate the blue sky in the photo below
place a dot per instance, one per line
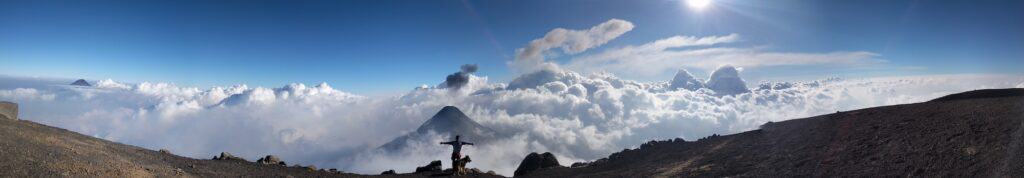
(391, 46)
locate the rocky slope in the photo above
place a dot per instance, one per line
(29, 149)
(972, 134)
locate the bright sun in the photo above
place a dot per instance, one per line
(698, 4)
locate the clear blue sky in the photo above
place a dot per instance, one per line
(387, 46)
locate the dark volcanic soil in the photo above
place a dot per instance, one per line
(973, 134)
(28, 149)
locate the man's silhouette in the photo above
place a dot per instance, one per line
(456, 149)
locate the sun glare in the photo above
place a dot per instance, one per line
(698, 4)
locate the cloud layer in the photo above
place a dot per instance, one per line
(578, 117)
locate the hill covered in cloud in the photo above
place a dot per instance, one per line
(578, 117)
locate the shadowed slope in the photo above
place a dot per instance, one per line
(29, 149)
(987, 93)
(975, 135)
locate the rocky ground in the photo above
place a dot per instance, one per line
(972, 134)
(29, 149)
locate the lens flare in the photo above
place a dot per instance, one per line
(698, 4)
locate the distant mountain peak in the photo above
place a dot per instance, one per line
(81, 82)
(452, 121)
(450, 118)
(449, 121)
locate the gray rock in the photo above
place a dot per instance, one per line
(535, 161)
(271, 160)
(433, 166)
(579, 164)
(388, 172)
(227, 156)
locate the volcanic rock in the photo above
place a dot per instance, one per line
(534, 162)
(433, 166)
(227, 156)
(971, 134)
(271, 160)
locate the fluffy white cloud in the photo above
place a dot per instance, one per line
(578, 117)
(25, 94)
(531, 57)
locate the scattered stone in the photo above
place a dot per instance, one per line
(311, 168)
(579, 164)
(388, 172)
(970, 151)
(535, 161)
(227, 156)
(492, 173)
(271, 160)
(333, 170)
(433, 166)
(165, 151)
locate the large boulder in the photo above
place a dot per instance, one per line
(388, 172)
(271, 160)
(432, 167)
(535, 161)
(8, 110)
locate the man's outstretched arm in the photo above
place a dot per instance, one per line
(448, 143)
(467, 143)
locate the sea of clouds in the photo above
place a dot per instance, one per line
(578, 116)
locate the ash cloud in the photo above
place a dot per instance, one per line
(459, 79)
